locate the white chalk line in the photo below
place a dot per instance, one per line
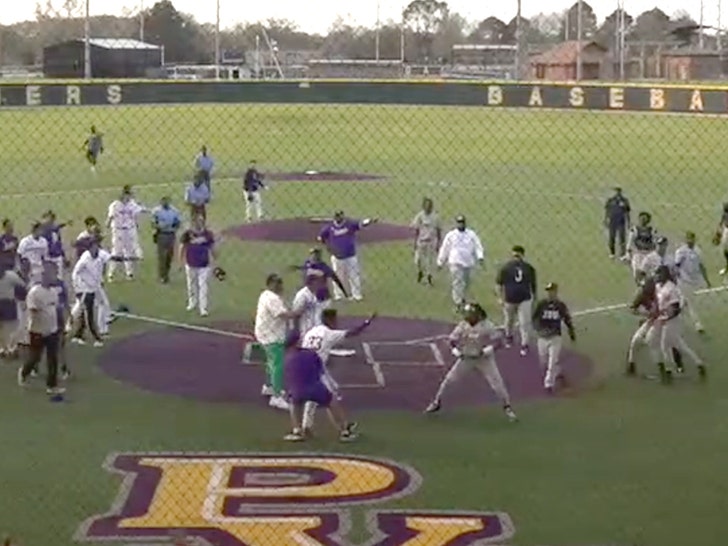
(603, 309)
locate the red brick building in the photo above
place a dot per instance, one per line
(559, 62)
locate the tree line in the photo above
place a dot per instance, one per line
(430, 30)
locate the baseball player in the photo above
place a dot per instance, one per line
(252, 187)
(516, 290)
(691, 275)
(307, 303)
(94, 147)
(34, 249)
(197, 255)
(642, 240)
(657, 257)
(123, 221)
(340, 239)
(461, 250)
(474, 341)
(548, 316)
(721, 237)
(428, 234)
(322, 339)
(617, 220)
(669, 307)
(204, 164)
(8, 245)
(51, 231)
(304, 371)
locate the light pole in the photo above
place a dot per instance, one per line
(376, 35)
(518, 40)
(87, 41)
(579, 31)
(217, 40)
(141, 21)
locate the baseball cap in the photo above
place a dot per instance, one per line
(518, 249)
(617, 188)
(552, 286)
(661, 240)
(460, 218)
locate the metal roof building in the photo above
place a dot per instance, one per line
(110, 58)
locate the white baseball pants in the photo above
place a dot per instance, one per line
(124, 243)
(688, 291)
(103, 311)
(198, 282)
(426, 257)
(349, 272)
(460, 279)
(671, 338)
(638, 262)
(22, 335)
(649, 334)
(253, 206)
(486, 366)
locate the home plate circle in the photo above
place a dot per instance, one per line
(396, 364)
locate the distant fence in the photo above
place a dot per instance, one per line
(641, 98)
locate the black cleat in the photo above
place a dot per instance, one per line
(631, 369)
(702, 373)
(420, 276)
(665, 374)
(430, 281)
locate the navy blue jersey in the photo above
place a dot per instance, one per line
(617, 209)
(518, 280)
(644, 238)
(548, 317)
(253, 181)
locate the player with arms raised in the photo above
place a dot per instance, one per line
(548, 316)
(474, 341)
(322, 339)
(641, 241)
(516, 290)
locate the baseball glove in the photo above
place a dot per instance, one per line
(219, 273)
(717, 236)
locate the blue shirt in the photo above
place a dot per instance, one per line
(204, 163)
(166, 219)
(197, 195)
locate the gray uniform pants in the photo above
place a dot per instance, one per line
(165, 253)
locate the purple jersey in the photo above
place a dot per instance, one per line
(198, 247)
(311, 267)
(303, 370)
(341, 238)
(52, 234)
(8, 250)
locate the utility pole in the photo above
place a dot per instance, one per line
(87, 41)
(518, 40)
(579, 37)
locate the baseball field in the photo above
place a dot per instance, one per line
(163, 431)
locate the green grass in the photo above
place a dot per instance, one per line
(625, 462)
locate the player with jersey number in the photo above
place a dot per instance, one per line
(123, 221)
(516, 290)
(473, 343)
(641, 241)
(691, 276)
(548, 316)
(322, 339)
(428, 233)
(304, 370)
(669, 307)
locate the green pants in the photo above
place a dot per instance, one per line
(274, 358)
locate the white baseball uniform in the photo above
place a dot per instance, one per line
(123, 219)
(689, 265)
(640, 243)
(35, 250)
(668, 295)
(428, 228)
(652, 260)
(460, 250)
(305, 301)
(87, 280)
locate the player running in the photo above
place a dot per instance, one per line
(322, 339)
(474, 341)
(304, 373)
(548, 316)
(516, 290)
(642, 240)
(94, 147)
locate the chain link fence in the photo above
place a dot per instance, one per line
(167, 147)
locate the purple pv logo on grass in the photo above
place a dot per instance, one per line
(242, 499)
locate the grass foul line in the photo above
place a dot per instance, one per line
(367, 349)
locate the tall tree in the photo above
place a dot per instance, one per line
(425, 18)
(570, 24)
(546, 28)
(607, 32)
(452, 31)
(180, 34)
(652, 26)
(489, 31)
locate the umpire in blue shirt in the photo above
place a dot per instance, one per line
(166, 222)
(617, 221)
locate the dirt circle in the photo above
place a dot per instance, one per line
(397, 366)
(306, 230)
